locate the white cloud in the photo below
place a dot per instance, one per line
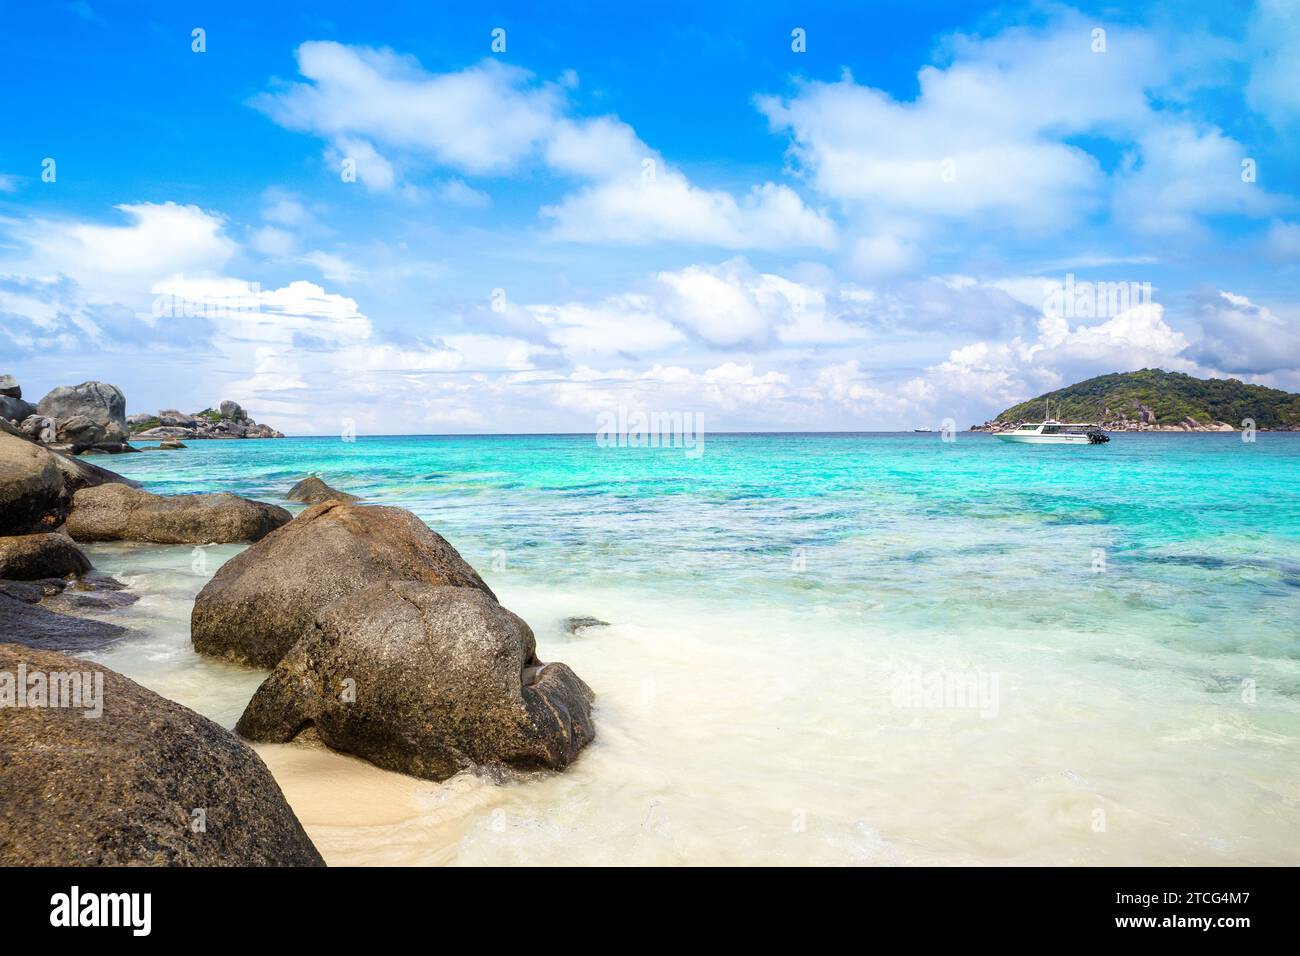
(1283, 240)
(388, 115)
(1274, 35)
(1179, 173)
(484, 119)
(121, 262)
(458, 193)
(332, 266)
(1241, 336)
(669, 209)
(991, 139)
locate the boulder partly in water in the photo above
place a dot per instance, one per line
(115, 512)
(425, 680)
(261, 601)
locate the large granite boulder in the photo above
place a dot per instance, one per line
(37, 484)
(164, 432)
(147, 782)
(313, 491)
(88, 414)
(262, 600)
(170, 417)
(31, 487)
(232, 410)
(425, 680)
(117, 512)
(9, 387)
(29, 557)
(15, 409)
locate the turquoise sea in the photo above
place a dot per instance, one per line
(824, 648)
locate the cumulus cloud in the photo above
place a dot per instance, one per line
(387, 115)
(123, 261)
(992, 140)
(1274, 37)
(1243, 337)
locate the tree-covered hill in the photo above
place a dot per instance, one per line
(1156, 397)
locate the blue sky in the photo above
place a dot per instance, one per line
(667, 208)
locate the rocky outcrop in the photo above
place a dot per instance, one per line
(89, 415)
(32, 495)
(29, 616)
(9, 387)
(262, 600)
(148, 782)
(229, 420)
(37, 485)
(15, 409)
(313, 491)
(29, 557)
(41, 429)
(118, 513)
(425, 680)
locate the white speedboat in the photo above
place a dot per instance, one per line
(1053, 432)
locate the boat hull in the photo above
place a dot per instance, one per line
(1043, 439)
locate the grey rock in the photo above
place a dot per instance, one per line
(96, 402)
(41, 429)
(576, 625)
(9, 387)
(170, 417)
(115, 512)
(425, 680)
(232, 410)
(32, 494)
(313, 491)
(261, 601)
(29, 557)
(15, 409)
(123, 789)
(35, 625)
(166, 431)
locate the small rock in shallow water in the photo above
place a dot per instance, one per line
(575, 625)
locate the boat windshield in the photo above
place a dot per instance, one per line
(1027, 428)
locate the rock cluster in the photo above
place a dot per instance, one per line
(129, 786)
(228, 420)
(91, 418)
(386, 644)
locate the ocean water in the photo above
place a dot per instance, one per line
(825, 649)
